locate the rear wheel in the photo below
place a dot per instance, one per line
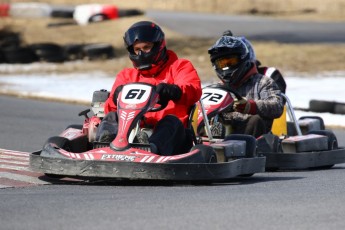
(332, 139)
(332, 143)
(322, 124)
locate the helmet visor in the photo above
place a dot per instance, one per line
(224, 62)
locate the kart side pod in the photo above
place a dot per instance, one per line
(305, 143)
(226, 150)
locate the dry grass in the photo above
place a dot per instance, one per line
(287, 57)
(306, 9)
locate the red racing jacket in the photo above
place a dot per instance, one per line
(177, 71)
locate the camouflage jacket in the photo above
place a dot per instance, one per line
(267, 96)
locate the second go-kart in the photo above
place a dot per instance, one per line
(292, 144)
(75, 153)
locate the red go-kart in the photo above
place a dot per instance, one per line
(75, 153)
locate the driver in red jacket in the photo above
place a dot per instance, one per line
(176, 81)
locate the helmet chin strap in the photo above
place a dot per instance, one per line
(236, 78)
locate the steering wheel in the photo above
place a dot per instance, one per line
(162, 104)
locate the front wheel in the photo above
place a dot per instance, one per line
(207, 152)
(60, 142)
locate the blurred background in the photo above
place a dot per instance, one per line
(97, 27)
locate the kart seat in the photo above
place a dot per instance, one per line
(192, 124)
(279, 126)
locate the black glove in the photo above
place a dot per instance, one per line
(116, 93)
(168, 92)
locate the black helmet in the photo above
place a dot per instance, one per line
(146, 31)
(249, 45)
(230, 59)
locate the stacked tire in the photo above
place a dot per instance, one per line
(14, 53)
(48, 52)
(19, 55)
(322, 106)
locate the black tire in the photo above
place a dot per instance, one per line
(332, 139)
(321, 106)
(250, 143)
(60, 142)
(322, 124)
(332, 143)
(9, 39)
(48, 52)
(99, 51)
(339, 108)
(129, 12)
(207, 152)
(62, 12)
(75, 126)
(21, 55)
(74, 52)
(2, 57)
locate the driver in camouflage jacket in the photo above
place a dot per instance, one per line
(262, 101)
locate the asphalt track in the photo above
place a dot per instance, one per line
(254, 28)
(305, 199)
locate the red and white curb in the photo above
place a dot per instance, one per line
(15, 171)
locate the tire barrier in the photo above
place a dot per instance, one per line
(13, 53)
(4, 9)
(339, 108)
(62, 11)
(19, 55)
(129, 12)
(9, 39)
(90, 13)
(74, 52)
(48, 52)
(98, 51)
(322, 106)
(82, 14)
(2, 57)
(30, 10)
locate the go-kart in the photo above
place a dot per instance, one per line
(75, 153)
(292, 143)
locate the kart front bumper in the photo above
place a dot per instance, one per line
(133, 170)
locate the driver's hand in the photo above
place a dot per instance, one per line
(245, 106)
(168, 92)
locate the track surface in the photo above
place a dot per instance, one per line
(257, 28)
(290, 200)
